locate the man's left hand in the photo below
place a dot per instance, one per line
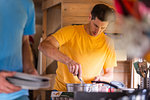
(31, 71)
(34, 72)
(97, 78)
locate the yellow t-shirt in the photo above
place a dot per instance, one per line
(93, 53)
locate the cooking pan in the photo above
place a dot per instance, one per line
(93, 87)
(71, 87)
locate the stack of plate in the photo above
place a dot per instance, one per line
(27, 81)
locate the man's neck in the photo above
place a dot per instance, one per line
(87, 28)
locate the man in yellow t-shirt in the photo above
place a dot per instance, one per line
(84, 50)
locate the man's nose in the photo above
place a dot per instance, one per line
(99, 30)
(96, 29)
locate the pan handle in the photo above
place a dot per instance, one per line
(106, 83)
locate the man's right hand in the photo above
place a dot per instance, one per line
(75, 68)
(5, 86)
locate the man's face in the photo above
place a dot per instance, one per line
(97, 26)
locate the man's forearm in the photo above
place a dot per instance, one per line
(50, 46)
(52, 51)
(28, 66)
(108, 77)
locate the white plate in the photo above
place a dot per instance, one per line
(33, 85)
(30, 77)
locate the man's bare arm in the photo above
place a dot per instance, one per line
(49, 47)
(28, 66)
(107, 76)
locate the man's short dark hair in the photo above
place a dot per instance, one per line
(102, 11)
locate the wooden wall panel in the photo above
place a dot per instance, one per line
(122, 72)
(76, 13)
(74, 20)
(123, 66)
(123, 77)
(90, 1)
(49, 3)
(44, 28)
(53, 19)
(82, 1)
(76, 9)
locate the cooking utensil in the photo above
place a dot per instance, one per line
(106, 83)
(82, 87)
(123, 89)
(86, 87)
(81, 80)
(94, 87)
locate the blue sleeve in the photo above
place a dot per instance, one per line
(30, 24)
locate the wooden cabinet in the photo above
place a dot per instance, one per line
(61, 13)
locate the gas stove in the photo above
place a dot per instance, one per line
(143, 94)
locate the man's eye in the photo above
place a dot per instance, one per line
(96, 26)
(102, 27)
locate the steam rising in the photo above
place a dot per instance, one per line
(133, 38)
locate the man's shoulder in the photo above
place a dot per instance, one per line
(72, 26)
(67, 27)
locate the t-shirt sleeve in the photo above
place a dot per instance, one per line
(111, 57)
(64, 35)
(30, 23)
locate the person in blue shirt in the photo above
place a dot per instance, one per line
(17, 22)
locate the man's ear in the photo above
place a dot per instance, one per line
(90, 17)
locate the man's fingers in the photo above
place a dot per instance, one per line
(9, 88)
(5, 86)
(80, 72)
(73, 68)
(5, 90)
(35, 72)
(8, 74)
(76, 70)
(70, 69)
(12, 87)
(97, 78)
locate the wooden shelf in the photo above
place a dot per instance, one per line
(50, 3)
